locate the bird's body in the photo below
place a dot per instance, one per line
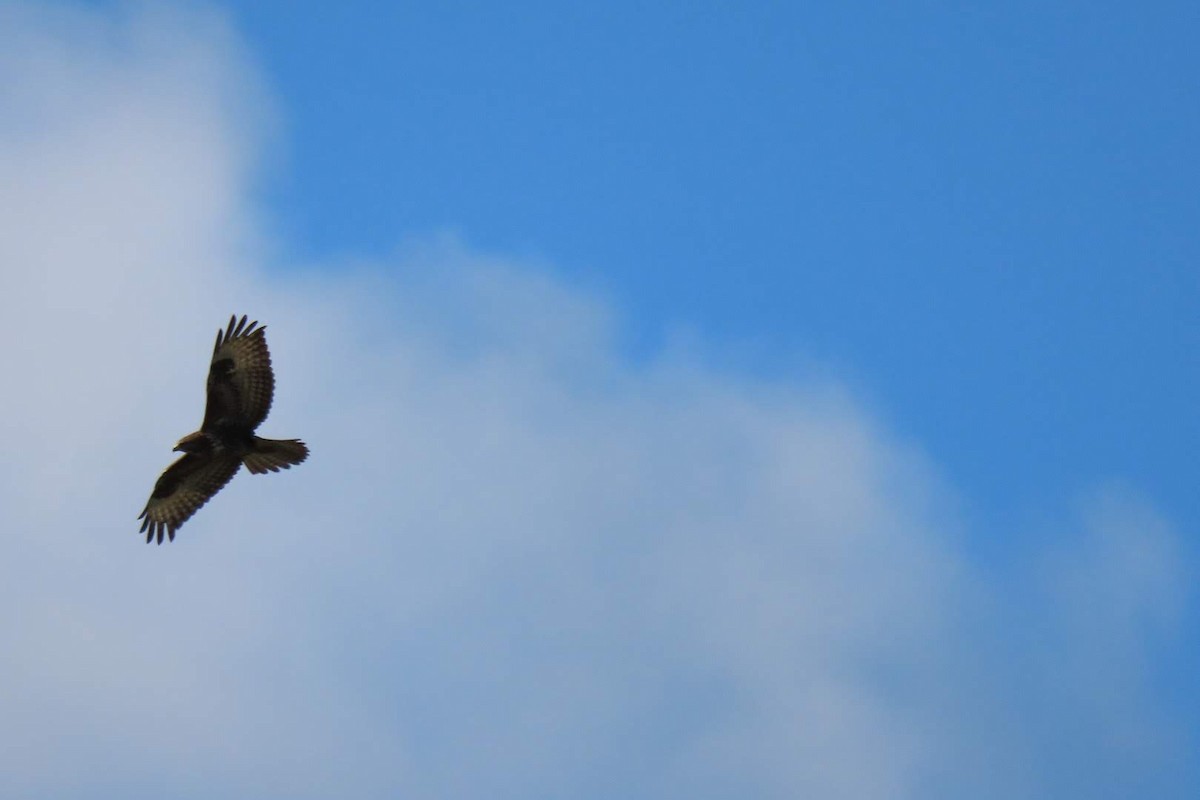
(240, 389)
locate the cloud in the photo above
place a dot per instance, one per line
(517, 564)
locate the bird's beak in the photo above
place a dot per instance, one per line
(177, 448)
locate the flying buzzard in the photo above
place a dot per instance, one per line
(240, 387)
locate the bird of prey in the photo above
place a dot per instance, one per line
(240, 387)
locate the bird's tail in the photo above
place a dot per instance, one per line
(272, 455)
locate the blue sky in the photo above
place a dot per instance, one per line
(705, 400)
(982, 215)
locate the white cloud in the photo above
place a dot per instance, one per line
(516, 564)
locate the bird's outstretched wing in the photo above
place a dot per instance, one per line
(240, 380)
(182, 489)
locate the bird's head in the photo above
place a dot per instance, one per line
(193, 443)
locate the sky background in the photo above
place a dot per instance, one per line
(983, 216)
(706, 400)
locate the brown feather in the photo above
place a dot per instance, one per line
(241, 383)
(272, 455)
(182, 489)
